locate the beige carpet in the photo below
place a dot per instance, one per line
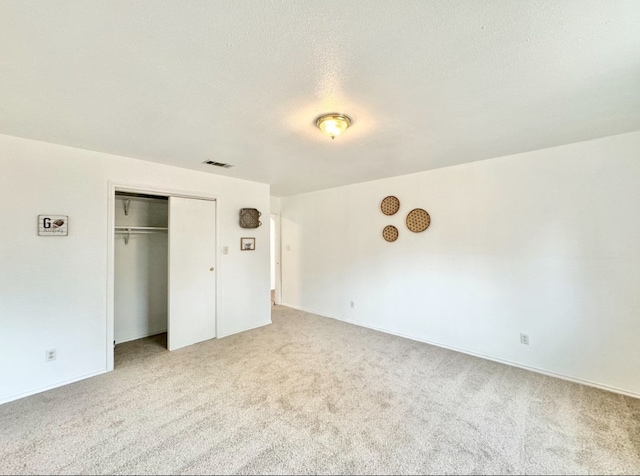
(314, 395)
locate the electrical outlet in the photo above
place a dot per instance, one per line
(287, 248)
(352, 304)
(49, 355)
(524, 339)
(225, 250)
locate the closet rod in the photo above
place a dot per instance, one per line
(137, 232)
(149, 228)
(127, 232)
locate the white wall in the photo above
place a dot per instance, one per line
(140, 270)
(275, 204)
(53, 290)
(545, 243)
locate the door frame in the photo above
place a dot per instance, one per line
(115, 186)
(278, 256)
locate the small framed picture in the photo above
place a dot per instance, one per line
(247, 244)
(53, 225)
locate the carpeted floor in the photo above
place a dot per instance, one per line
(313, 395)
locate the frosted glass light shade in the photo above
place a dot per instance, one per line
(333, 124)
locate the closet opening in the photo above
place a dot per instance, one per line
(162, 272)
(140, 275)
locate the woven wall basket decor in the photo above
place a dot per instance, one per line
(390, 205)
(390, 233)
(418, 220)
(250, 218)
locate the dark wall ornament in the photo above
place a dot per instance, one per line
(250, 218)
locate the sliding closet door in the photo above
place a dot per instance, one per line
(192, 278)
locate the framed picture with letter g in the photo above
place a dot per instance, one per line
(53, 225)
(247, 244)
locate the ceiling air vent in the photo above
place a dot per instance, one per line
(217, 164)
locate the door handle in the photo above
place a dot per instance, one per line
(211, 269)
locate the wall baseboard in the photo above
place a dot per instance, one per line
(221, 336)
(549, 373)
(62, 383)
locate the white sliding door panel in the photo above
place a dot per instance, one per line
(192, 277)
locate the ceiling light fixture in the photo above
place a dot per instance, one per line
(333, 124)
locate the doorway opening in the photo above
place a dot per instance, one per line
(276, 292)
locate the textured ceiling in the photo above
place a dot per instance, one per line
(427, 83)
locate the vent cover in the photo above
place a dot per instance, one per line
(217, 164)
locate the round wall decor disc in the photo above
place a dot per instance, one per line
(390, 205)
(390, 233)
(418, 220)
